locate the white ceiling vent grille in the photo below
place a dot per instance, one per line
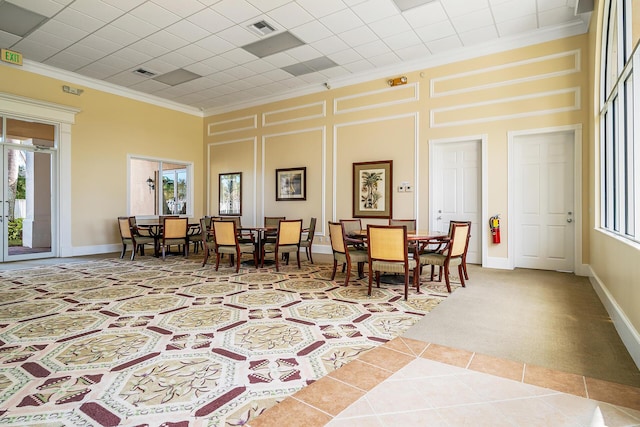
(262, 28)
(143, 72)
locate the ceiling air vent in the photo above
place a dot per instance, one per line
(262, 28)
(145, 73)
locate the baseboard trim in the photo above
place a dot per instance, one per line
(500, 263)
(629, 335)
(97, 249)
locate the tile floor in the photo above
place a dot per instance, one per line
(409, 382)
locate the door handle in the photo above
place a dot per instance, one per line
(569, 220)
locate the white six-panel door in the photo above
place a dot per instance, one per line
(544, 217)
(457, 189)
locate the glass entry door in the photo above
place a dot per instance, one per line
(27, 193)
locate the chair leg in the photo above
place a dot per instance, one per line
(309, 256)
(217, 260)
(276, 256)
(239, 256)
(124, 249)
(346, 278)
(464, 268)
(133, 252)
(206, 255)
(446, 278)
(461, 273)
(335, 267)
(406, 285)
(298, 256)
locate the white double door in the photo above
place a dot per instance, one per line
(456, 186)
(544, 202)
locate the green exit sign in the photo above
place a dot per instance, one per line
(11, 57)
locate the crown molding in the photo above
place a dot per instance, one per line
(101, 85)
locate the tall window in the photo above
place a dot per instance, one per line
(159, 187)
(620, 149)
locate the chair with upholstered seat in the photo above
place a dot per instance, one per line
(344, 254)
(129, 236)
(272, 223)
(410, 223)
(208, 245)
(387, 247)
(451, 255)
(287, 241)
(225, 237)
(174, 233)
(308, 242)
(466, 248)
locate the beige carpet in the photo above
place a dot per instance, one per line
(544, 318)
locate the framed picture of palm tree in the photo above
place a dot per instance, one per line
(372, 189)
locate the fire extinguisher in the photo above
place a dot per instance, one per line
(494, 225)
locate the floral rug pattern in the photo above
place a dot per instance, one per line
(150, 342)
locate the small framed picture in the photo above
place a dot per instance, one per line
(372, 189)
(291, 184)
(230, 193)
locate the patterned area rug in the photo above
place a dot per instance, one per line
(115, 342)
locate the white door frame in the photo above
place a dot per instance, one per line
(63, 116)
(578, 267)
(484, 185)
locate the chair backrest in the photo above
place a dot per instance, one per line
(174, 227)
(460, 232)
(235, 219)
(272, 221)
(312, 230)
(387, 242)
(289, 232)
(124, 224)
(225, 233)
(206, 225)
(410, 223)
(351, 225)
(336, 234)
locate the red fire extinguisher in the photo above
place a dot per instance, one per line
(494, 225)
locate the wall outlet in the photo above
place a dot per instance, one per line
(408, 188)
(400, 188)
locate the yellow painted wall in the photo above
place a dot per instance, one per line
(615, 262)
(535, 87)
(107, 129)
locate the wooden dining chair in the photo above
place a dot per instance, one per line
(388, 252)
(272, 222)
(174, 232)
(353, 226)
(225, 237)
(287, 241)
(410, 223)
(451, 255)
(308, 242)
(208, 244)
(129, 236)
(466, 248)
(343, 254)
